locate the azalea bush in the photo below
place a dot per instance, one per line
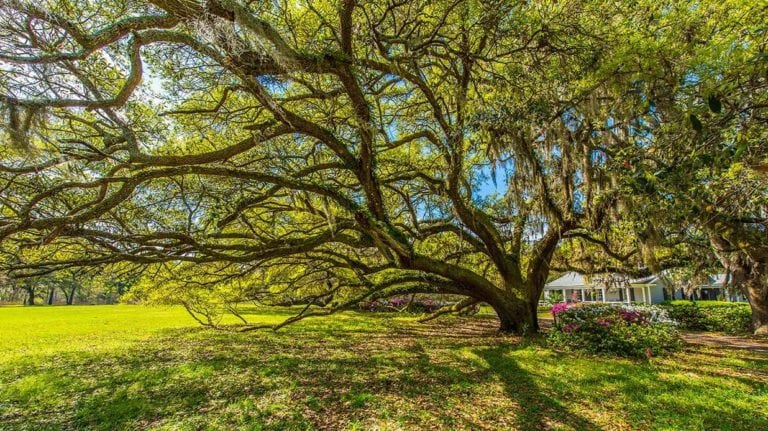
(728, 317)
(620, 330)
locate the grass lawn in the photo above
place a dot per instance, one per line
(133, 367)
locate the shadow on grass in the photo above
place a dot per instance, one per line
(691, 390)
(358, 375)
(538, 411)
(294, 379)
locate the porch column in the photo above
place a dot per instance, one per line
(629, 297)
(582, 294)
(565, 298)
(643, 289)
(602, 290)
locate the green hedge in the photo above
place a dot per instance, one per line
(704, 303)
(729, 317)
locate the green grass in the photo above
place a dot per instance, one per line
(133, 367)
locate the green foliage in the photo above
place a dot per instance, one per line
(635, 332)
(84, 286)
(554, 297)
(729, 317)
(633, 341)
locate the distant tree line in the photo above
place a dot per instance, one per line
(66, 287)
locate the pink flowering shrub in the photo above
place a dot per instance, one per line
(640, 332)
(559, 308)
(633, 317)
(571, 327)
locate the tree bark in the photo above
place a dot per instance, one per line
(30, 296)
(748, 269)
(756, 292)
(51, 295)
(69, 294)
(71, 297)
(513, 313)
(750, 277)
(533, 313)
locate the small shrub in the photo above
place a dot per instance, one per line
(688, 316)
(734, 319)
(629, 331)
(558, 308)
(729, 317)
(553, 298)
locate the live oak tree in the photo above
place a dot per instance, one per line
(692, 166)
(718, 189)
(725, 193)
(329, 151)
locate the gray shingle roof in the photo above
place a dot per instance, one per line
(567, 281)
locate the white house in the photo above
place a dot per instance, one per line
(715, 288)
(574, 287)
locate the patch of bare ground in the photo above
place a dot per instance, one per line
(752, 344)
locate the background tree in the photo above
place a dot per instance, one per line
(691, 162)
(698, 167)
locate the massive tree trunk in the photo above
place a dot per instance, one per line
(51, 295)
(510, 308)
(533, 310)
(513, 315)
(518, 313)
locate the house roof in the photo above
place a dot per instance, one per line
(717, 281)
(568, 280)
(651, 279)
(575, 280)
